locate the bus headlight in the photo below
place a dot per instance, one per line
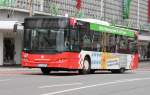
(25, 56)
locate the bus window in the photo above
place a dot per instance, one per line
(133, 45)
(96, 41)
(112, 43)
(74, 40)
(86, 41)
(85, 36)
(123, 45)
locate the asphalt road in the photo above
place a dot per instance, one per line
(20, 81)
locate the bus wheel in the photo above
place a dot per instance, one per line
(45, 71)
(114, 71)
(92, 71)
(86, 67)
(118, 71)
(121, 70)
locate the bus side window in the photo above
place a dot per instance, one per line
(133, 46)
(123, 45)
(86, 42)
(112, 43)
(74, 41)
(96, 41)
(85, 37)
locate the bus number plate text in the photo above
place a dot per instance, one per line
(42, 65)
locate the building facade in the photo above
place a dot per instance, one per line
(129, 13)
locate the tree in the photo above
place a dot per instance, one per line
(7, 2)
(53, 9)
(79, 14)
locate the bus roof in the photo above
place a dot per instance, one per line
(102, 26)
(46, 17)
(94, 21)
(98, 25)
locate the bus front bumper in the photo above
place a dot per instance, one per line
(66, 64)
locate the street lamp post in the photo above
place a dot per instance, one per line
(138, 15)
(102, 5)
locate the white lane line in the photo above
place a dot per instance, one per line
(58, 85)
(101, 84)
(5, 80)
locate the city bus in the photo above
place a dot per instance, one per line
(75, 44)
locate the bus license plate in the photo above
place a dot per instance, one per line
(42, 65)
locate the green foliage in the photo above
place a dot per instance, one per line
(7, 3)
(54, 9)
(79, 14)
(113, 22)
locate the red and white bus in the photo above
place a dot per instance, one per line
(86, 45)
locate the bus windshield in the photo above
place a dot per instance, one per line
(48, 40)
(44, 35)
(49, 35)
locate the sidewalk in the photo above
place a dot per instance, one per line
(11, 66)
(144, 65)
(14, 68)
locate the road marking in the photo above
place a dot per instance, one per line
(101, 84)
(58, 85)
(5, 80)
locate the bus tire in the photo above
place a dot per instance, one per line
(86, 67)
(121, 70)
(118, 71)
(92, 71)
(45, 71)
(114, 71)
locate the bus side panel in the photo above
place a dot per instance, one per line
(101, 60)
(106, 61)
(95, 60)
(117, 61)
(110, 61)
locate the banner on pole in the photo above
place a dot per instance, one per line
(78, 4)
(126, 8)
(148, 11)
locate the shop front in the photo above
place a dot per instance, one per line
(144, 47)
(10, 43)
